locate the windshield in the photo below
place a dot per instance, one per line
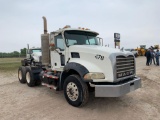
(36, 50)
(127, 49)
(80, 38)
(130, 50)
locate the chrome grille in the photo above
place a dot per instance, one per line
(125, 66)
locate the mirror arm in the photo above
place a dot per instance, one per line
(58, 52)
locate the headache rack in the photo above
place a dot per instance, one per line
(125, 66)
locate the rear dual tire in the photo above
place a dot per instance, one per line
(22, 74)
(29, 78)
(26, 75)
(32, 78)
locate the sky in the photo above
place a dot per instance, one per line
(21, 23)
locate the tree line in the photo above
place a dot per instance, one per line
(22, 53)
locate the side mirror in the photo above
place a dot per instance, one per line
(29, 51)
(58, 49)
(100, 41)
(52, 46)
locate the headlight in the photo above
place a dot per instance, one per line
(94, 76)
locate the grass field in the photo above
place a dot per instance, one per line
(9, 60)
(9, 64)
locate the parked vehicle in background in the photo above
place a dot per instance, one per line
(33, 56)
(133, 51)
(141, 50)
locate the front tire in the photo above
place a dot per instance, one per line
(75, 91)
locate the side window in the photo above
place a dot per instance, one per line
(59, 42)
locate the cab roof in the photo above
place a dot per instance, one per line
(73, 29)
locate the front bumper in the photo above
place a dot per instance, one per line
(117, 90)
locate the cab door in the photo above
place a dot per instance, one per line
(58, 53)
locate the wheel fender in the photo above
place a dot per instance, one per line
(77, 67)
(80, 69)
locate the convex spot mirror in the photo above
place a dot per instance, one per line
(30, 51)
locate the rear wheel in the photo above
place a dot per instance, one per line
(21, 74)
(30, 77)
(75, 91)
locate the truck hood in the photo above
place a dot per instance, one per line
(95, 49)
(98, 59)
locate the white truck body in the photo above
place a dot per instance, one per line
(75, 61)
(35, 54)
(98, 59)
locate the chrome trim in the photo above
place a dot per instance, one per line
(124, 64)
(117, 90)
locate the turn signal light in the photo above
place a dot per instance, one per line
(51, 44)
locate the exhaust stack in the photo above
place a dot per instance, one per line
(45, 24)
(45, 45)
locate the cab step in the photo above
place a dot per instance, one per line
(50, 86)
(51, 76)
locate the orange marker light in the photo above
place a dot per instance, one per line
(51, 44)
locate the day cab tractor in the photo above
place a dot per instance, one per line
(33, 56)
(73, 60)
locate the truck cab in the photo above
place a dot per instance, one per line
(33, 56)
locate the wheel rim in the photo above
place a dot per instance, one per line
(28, 77)
(72, 91)
(20, 75)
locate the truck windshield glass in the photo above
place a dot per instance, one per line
(80, 38)
(36, 50)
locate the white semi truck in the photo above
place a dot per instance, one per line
(33, 56)
(74, 61)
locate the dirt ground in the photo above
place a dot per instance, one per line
(20, 102)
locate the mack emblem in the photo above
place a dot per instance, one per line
(123, 74)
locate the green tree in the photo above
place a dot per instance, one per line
(15, 53)
(23, 52)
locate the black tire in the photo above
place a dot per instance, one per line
(30, 77)
(22, 74)
(90, 89)
(75, 91)
(136, 55)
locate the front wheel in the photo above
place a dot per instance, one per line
(75, 91)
